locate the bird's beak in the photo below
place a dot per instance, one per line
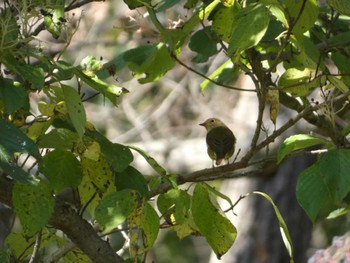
(202, 124)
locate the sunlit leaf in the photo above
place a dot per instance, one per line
(306, 13)
(153, 61)
(221, 234)
(117, 155)
(175, 206)
(297, 142)
(339, 212)
(115, 208)
(272, 97)
(223, 22)
(144, 228)
(249, 27)
(110, 91)
(295, 81)
(54, 17)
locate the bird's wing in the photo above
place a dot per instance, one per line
(220, 140)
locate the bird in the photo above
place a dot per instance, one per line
(220, 140)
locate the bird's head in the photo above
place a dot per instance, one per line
(212, 123)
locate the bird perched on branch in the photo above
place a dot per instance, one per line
(220, 140)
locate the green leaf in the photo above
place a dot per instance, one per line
(175, 205)
(297, 142)
(22, 245)
(38, 128)
(283, 227)
(223, 22)
(272, 96)
(249, 27)
(117, 155)
(190, 4)
(110, 91)
(151, 161)
(227, 64)
(63, 70)
(177, 197)
(133, 4)
(339, 212)
(309, 54)
(277, 10)
(144, 227)
(53, 19)
(219, 194)
(13, 140)
(29, 73)
(307, 18)
(131, 178)
(212, 224)
(9, 30)
(324, 183)
(18, 173)
(339, 84)
(342, 6)
(62, 169)
(334, 169)
(339, 40)
(98, 171)
(90, 194)
(115, 208)
(202, 42)
(163, 5)
(12, 94)
(149, 225)
(90, 65)
(312, 192)
(152, 60)
(34, 205)
(200, 14)
(59, 138)
(75, 109)
(295, 81)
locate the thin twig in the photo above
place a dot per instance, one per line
(59, 253)
(207, 78)
(36, 247)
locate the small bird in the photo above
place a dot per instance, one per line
(220, 140)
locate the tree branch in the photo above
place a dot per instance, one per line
(69, 222)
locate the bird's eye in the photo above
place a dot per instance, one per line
(212, 120)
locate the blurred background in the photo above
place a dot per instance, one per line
(163, 119)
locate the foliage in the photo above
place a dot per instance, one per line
(284, 46)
